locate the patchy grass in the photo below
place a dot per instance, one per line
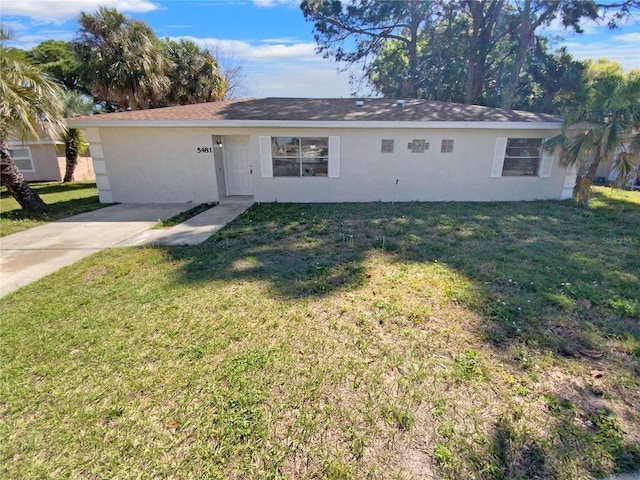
(186, 215)
(62, 199)
(487, 341)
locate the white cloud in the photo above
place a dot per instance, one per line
(287, 79)
(274, 3)
(263, 51)
(589, 27)
(287, 69)
(626, 52)
(14, 25)
(61, 11)
(632, 38)
(28, 42)
(599, 41)
(280, 40)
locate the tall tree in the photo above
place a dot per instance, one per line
(606, 127)
(493, 36)
(195, 76)
(481, 38)
(29, 103)
(58, 60)
(370, 23)
(440, 75)
(551, 82)
(121, 60)
(75, 104)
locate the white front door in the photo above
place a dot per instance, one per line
(237, 167)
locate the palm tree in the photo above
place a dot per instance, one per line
(121, 60)
(29, 104)
(75, 144)
(195, 76)
(607, 127)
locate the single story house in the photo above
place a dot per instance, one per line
(325, 150)
(44, 160)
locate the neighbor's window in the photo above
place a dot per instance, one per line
(447, 146)
(22, 159)
(387, 146)
(300, 157)
(522, 157)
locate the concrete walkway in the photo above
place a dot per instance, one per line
(195, 230)
(32, 254)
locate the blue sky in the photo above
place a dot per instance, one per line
(269, 38)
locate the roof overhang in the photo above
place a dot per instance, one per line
(35, 142)
(105, 123)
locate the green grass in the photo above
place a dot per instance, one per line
(62, 199)
(338, 341)
(186, 215)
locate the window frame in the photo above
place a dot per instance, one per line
(18, 158)
(447, 145)
(300, 158)
(510, 159)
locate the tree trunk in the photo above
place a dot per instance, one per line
(473, 87)
(484, 16)
(14, 181)
(528, 26)
(593, 168)
(412, 51)
(582, 188)
(526, 36)
(71, 152)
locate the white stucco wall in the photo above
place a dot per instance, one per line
(162, 165)
(155, 165)
(368, 175)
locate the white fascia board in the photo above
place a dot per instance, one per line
(313, 124)
(35, 142)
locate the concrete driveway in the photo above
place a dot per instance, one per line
(32, 254)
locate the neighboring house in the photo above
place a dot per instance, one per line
(324, 150)
(44, 160)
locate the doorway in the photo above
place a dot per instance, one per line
(237, 167)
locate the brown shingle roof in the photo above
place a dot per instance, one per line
(324, 109)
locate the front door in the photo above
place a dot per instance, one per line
(237, 167)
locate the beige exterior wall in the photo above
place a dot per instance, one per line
(154, 165)
(45, 164)
(84, 167)
(49, 163)
(162, 165)
(368, 175)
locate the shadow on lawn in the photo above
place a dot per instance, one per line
(58, 210)
(549, 275)
(49, 188)
(550, 269)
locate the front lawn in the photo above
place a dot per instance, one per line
(452, 340)
(62, 199)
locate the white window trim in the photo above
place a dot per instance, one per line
(30, 158)
(545, 162)
(266, 158)
(498, 157)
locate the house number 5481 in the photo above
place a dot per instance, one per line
(205, 149)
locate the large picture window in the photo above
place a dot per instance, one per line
(522, 157)
(300, 156)
(22, 158)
